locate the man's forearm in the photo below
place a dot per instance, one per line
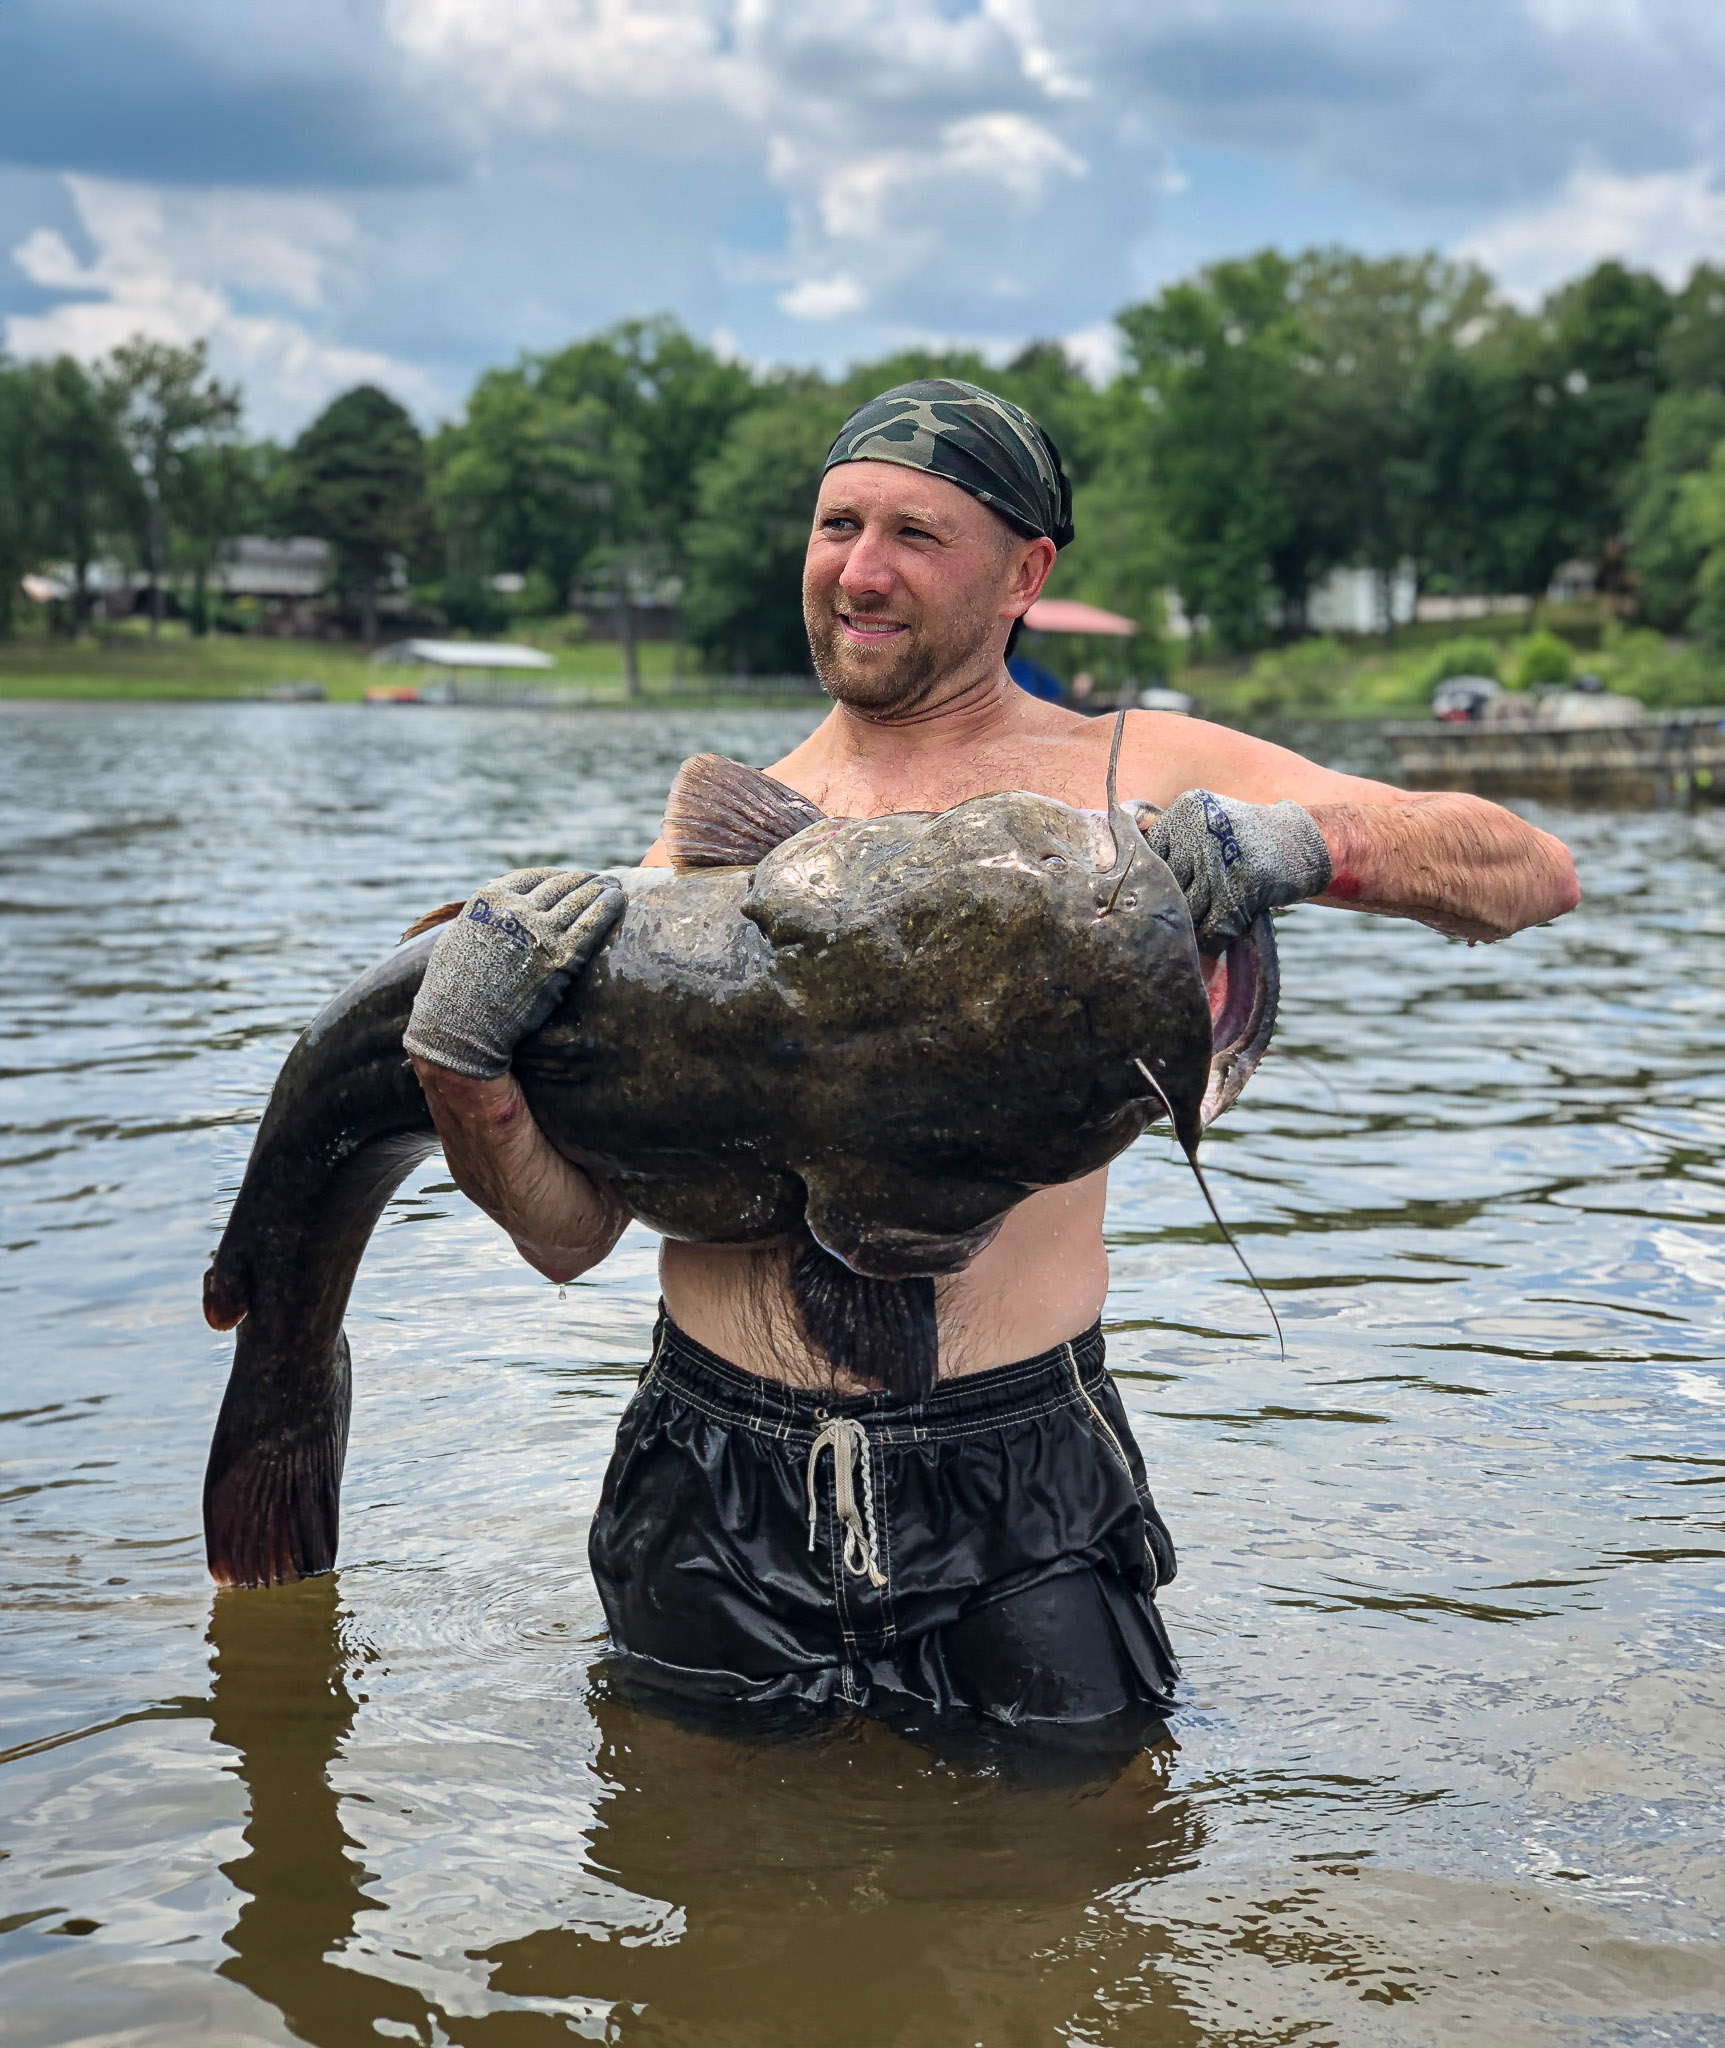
(563, 1221)
(1465, 866)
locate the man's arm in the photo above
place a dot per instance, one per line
(563, 1221)
(495, 974)
(1465, 866)
(1458, 863)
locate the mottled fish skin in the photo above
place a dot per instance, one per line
(346, 1123)
(883, 1035)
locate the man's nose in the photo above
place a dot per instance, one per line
(868, 568)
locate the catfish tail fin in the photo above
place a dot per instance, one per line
(883, 1331)
(345, 1124)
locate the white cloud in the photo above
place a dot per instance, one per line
(1590, 17)
(167, 266)
(867, 229)
(1095, 349)
(1663, 221)
(892, 131)
(823, 298)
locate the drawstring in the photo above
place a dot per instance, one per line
(1102, 1420)
(1119, 1452)
(844, 1438)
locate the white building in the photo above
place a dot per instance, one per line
(1362, 600)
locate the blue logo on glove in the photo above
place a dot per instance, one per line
(1220, 827)
(508, 927)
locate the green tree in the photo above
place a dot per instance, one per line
(167, 405)
(23, 489)
(1702, 524)
(223, 490)
(1215, 363)
(89, 490)
(514, 481)
(357, 479)
(1373, 328)
(746, 545)
(585, 462)
(1692, 353)
(1122, 556)
(1682, 434)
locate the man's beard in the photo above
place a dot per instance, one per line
(896, 685)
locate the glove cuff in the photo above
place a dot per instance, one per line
(460, 1056)
(1305, 855)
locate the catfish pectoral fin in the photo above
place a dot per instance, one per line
(272, 1494)
(721, 814)
(225, 1304)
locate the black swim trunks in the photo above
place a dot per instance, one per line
(993, 1548)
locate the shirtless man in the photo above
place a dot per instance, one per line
(769, 1530)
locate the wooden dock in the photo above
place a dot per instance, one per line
(1675, 759)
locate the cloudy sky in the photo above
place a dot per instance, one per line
(407, 190)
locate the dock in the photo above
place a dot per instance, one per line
(1674, 759)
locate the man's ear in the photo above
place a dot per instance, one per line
(1034, 565)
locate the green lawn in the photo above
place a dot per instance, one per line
(124, 662)
(1393, 677)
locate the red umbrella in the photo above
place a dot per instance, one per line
(1067, 615)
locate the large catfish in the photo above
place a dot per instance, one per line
(863, 1039)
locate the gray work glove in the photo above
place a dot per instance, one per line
(501, 967)
(1235, 860)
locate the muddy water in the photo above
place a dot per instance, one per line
(1449, 1757)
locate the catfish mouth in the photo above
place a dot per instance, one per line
(1232, 989)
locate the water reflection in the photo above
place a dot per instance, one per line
(837, 1881)
(280, 1698)
(852, 1887)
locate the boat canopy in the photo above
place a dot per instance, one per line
(463, 654)
(1067, 615)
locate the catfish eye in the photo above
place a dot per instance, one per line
(1053, 861)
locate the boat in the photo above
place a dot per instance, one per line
(1674, 758)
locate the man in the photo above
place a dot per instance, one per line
(769, 1530)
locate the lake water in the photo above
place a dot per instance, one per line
(1448, 1761)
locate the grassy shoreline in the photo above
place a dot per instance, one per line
(1320, 678)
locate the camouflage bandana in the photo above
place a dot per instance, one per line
(981, 443)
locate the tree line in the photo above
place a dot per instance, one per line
(1270, 419)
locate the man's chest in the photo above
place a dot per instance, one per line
(1070, 774)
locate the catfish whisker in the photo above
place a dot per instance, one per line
(1210, 1203)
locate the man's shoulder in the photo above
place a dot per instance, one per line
(1161, 754)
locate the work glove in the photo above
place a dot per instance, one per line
(1235, 860)
(499, 969)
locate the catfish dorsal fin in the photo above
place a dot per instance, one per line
(723, 815)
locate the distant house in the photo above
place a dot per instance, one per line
(1362, 600)
(1572, 581)
(284, 577)
(257, 565)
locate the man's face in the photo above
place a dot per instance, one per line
(909, 584)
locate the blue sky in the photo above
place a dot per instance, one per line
(408, 190)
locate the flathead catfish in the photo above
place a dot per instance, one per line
(866, 1040)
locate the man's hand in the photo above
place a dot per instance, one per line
(1234, 860)
(500, 968)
